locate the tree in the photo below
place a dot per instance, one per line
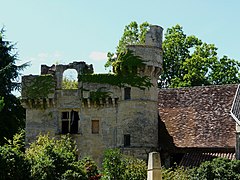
(225, 71)
(69, 84)
(187, 61)
(12, 114)
(132, 35)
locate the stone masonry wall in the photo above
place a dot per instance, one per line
(199, 116)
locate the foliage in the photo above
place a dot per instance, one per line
(40, 87)
(135, 169)
(69, 84)
(1, 103)
(90, 168)
(12, 115)
(178, 173)
(187, 61)
(117, 166)
(99, 94)
(13, 164)
(54, 159)
(113, 167)
(118, 80)
(132, 35)
(225, 71)
(219, 168)
(127, 63)
(125, 69)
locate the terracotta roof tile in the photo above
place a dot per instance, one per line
(198, 116)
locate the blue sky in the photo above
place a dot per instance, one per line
(50, 31)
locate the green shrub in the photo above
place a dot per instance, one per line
(178, 173)
(120, 167)
(13, 164)
(54, 159)
(113, 166)
(91, 168)
(219, 168)
(135, 169)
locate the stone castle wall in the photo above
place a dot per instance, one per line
(113, 122)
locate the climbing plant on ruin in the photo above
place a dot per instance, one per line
(41, 87)
(125, 73)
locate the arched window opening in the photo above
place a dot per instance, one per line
(70, 79)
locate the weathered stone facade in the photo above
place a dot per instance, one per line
(127, 123)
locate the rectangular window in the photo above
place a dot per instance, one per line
(70, 122)
(95, 126)
(127, 93)
(127, 140)
(65, 122)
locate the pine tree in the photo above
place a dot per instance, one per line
(12, 115)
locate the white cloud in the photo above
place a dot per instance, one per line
(36, 61)
(98, 56)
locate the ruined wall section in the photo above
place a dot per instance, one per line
(38, 98)
(199, 116)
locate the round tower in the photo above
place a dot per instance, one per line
(137, 118)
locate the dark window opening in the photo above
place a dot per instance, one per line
(95, 126)
(70, 122)
(127, 140)
(127, 93)
(65, 125)
(65, 115)
(74, 122)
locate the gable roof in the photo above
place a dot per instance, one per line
(198, 116)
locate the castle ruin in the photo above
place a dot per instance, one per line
(127, 118)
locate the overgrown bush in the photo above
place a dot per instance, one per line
(13, 164)
(135, 169)
(54, 159)
(219, 168)
(120, 167)
(91, 169)
(113, 166)
(178, 173)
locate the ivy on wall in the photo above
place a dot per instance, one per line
(100, 93)
(124, 73)
(40, 87)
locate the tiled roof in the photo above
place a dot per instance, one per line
(196, 158)
(198, 116)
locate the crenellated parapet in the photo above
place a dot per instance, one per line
(38, 91)
(151, 52)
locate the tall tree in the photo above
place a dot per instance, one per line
(12, 114)
(187, 61)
